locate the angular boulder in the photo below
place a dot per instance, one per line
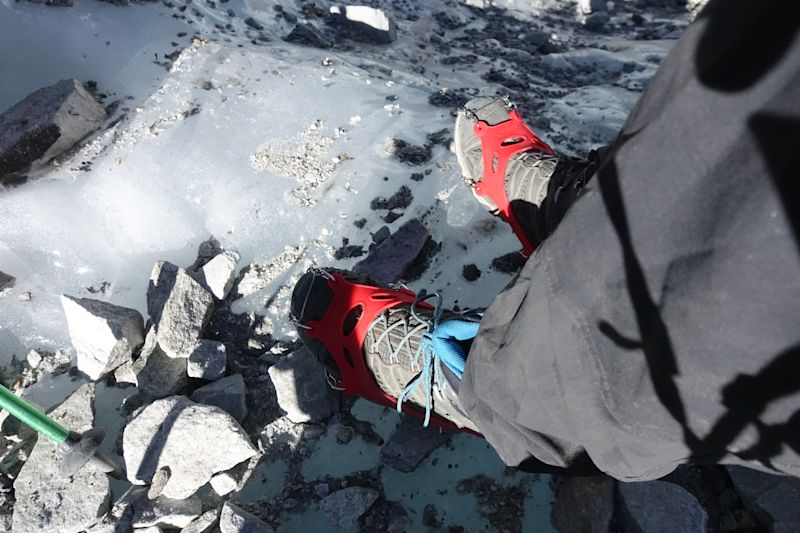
(179, 307)
(208, 360)
(302, 388)
(387, 261)
(584, 505)
(345, 506)
(659, 507)
(167, 433)
(45, 124)
(223, 483)
(204, 523)
(365, 24)
(308, 35)
(772, 498)
(6, 281)
(591, 6)
(48, 501)
(154, 373)
(227, 393)
(104, 335)
(234, 519)
(217, 276)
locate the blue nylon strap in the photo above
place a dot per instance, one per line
(444, 337)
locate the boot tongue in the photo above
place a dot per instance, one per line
(448, 339)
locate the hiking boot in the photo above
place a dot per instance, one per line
(387, 345)
(512, 172)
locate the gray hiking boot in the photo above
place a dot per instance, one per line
(527, 173)
(528, 185)
(394, 355)
(385, 344)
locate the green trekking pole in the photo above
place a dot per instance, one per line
(79, 449)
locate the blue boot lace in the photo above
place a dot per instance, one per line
(439, 345)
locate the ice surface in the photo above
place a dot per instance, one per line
(273, 147)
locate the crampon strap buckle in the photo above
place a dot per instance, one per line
(499, 143)
(344, 341)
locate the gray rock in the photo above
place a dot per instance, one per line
(366, 24)
(227, 393)
(168, 433)
(104, 335)
(6, 281)
(387, 261)
(204, 523)
(223, 483)
(659, 507)
(208, 250)
(236, 478)
(398, 519)
(45, 124)
(234, 519)
(120, 517)
(307, 34)
(536, 38)
(591, 6)
(218, 274)
(345, 506)
(180, 308)
(157, 484)
(773, 499)
(48, 501)
(381, 235)
(584, 505)
(208, 360)
(597, 21)
(33, 358)
(302, 388)
(124, 373)
(165, 512)
(155, 374)
(410, 444)
(322, 489)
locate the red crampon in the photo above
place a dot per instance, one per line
(345, 341)
(499, 143)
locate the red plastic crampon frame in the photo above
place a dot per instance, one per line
(499, 143)
(346, 347)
